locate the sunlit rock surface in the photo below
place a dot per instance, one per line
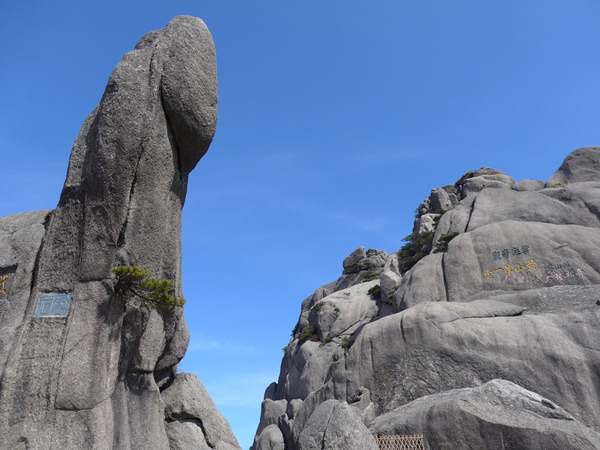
(80, 367)
(491, 340)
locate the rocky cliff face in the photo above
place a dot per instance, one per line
(82, 367)
(482, 332)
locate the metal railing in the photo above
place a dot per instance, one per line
(404, 442)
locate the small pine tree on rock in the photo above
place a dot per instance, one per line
(158, 294)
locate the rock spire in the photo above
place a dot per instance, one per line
(81, 367)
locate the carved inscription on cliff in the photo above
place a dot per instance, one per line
(7, 275)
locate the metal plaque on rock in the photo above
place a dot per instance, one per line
(53, 305)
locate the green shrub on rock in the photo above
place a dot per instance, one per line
(47, 216)
(327, 340)
(438, 215)
(370, 275)
(307, 333)
(356, 267)
(393, 291)
(442, 243)
(375, 291)
(418, 245)
(353, 268)
(347, 343)
(133, 281)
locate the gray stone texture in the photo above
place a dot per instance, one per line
(335, 426)
(496, 414)
(581, 165)
(98, 377)
(424, 223)
(485, 178)
(529, 185)
(390, 282)
(440, 200)
(271, 412)
(269, 439)
(20, 239)
(188, 404)
(493, 342)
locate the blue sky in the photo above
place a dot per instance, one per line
(336, 119)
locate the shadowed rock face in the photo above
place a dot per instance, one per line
(102, 374)
(491, 342)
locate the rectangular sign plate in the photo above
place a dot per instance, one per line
(53, 305)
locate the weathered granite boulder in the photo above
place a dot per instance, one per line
(271, 413)
(496, 414)
(529, 185)
(189, 411)
(485, 178)
(335, 426)
(81, 367)
(508, 292)
(440, 200)
(581, 165)
(270, 439)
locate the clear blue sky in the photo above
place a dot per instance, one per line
(336, 119)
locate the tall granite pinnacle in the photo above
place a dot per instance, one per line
(90, 370)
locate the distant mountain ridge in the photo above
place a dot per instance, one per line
(482, 332)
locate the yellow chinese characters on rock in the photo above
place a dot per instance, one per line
(3, 279)
(512, 272)
(517, 272)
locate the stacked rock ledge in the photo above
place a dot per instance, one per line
(489, 340)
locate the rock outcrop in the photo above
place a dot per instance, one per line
(482, 332)
(82, 367)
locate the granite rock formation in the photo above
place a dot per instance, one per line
(100, 372)
(490, 339)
